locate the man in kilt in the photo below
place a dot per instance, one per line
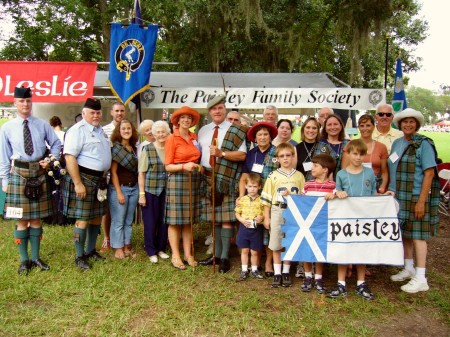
(88, 158)
(229, 150)
(22, 171)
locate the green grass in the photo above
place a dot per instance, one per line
(134, 298)
(442, 142)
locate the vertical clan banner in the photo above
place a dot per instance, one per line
(131, 57)
(399, 99)
(352, 230)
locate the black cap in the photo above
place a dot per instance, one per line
(22, 92)
(93, 104)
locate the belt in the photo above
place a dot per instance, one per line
(90, 172)
(281, 205)
(29, 165)
(132, 184)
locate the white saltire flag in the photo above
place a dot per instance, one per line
(353, 230)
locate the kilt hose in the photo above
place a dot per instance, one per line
(178, 192)
(224, 212)
(82, 209)
(15, 197)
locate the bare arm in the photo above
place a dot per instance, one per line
(428, 175)
(384, 176)
(242, 184)
(74, 172)
(116, 183)
(141, 183)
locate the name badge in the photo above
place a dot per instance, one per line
(258, 168)
(307, 166)
(368, 165)
(393, 157)
(14, 212)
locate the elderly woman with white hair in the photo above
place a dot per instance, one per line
(414, 182)
(145, 130)
(152, 192)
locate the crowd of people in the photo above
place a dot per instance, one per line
(227, 174)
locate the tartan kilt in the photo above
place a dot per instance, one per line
(224, 212)
(177, 200)
(422, 229)
(15, 197)
(82, 209)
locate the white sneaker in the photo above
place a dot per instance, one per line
(403, 275)
(415, 285)
(153, 259)
(208, 240)
(163, 255)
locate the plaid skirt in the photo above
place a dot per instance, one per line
(224, 212)
(179, 191)
(415, 229)
(82, 209)
(15, 197)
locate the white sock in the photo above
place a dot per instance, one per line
(342, 282)
(420, 274)
(308, 274)
(317, 277)
(254, 268)
(409, 264)
(245, 267)
(277, 269)
(358, 283)
(286, 268)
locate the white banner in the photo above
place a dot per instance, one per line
(259, 98)
(359, 230)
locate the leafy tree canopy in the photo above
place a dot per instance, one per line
(344, 37)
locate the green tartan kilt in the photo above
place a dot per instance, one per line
(422, 229)
(178, 205)
(224, 212)
(82, 209)
(15, 197)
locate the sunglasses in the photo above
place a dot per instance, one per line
(382, 114)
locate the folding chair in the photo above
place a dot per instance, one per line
(444, 203)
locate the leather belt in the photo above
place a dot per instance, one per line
(132, 184)
(28, 165)
(90, 172)
(281, 205)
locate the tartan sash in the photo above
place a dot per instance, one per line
(227, 172)
(124, 158)
(405, 180)
(269, 164)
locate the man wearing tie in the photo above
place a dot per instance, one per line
(22, 171)
(223, 149)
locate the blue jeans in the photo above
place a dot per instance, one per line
(122, 215)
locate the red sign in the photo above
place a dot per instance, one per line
(49, 81)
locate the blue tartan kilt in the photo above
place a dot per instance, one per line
(180, 189)
(82, 209)
(223, 212)
(15, 197)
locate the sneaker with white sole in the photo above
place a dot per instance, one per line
(153, 259)
(338, 291)
(403, 275)
(415, 285)
(300, 271)
(363, 290)
(163, 255)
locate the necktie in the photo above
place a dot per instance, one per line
(214, 143)
(27, 140)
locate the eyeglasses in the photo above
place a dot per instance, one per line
(382, 114)
(285, 156)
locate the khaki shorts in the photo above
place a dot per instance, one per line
(276, 220)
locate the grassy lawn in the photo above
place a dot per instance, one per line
(134, 298)
(442, 142)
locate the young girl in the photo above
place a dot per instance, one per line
(123, 189)
(286, 180)
(355, 180)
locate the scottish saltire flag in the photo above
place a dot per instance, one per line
(131, 57)
(353, 230)
(399, 99)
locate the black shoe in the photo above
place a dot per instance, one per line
(224, 266)
(208, 261)
(94, 255)
(81, 263)
(41, 264)
(24, 268)
(286, 280)
(269, 273)
(276, 281)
